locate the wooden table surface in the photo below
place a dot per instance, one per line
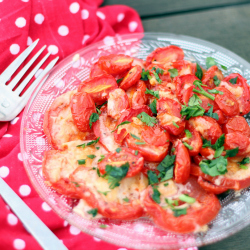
(224, 22)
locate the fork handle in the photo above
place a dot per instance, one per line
(32, 223)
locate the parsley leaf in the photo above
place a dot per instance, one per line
(179, 212)
(232, 152)
(218, 146)
(103, 226)
(101, 158)
(81, 162)
(104, 193)
(93, 142)
(234, 80)
(223, 67)
(156, 196)
(126, 199)
(173, 72)
(215, 91)
(91, 156)
(245, 161)
(166, 168)
(211, 114)
(174, 123)
(188, 133)
(157, 77)
(135, 137)
(199, 72)
(119, 80)
(93, 212)
(187, 145)
(76, 183)
(118, 150)
(145, 75)
(81, 145)
(140, 142)
(198, 84)
(122, 123)
(136, 152)
(186, 198)
(214, 167)
(216, 81)
(152, 177)
(144, 117)
(153, 93)
(159, 71)
(152, 106)
(210, 61)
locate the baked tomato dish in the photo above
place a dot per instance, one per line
(159, 138)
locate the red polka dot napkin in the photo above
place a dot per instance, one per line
(64, 26)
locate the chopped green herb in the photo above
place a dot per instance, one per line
(211, 114)
(187, 199)
(103, 226)
(234, 80)
(166, 184)
(157, 77)
(179, 212)
(97, 148)
(166, 168)
(136, 152)
(174, 123)
(122, 123)
(187, 145)
(202, 91)
(153, 93)
(218, 152)
(118, 150)
(104, 193)
(76, 183)
(152, 106)
(172, 150)
(210, 61)
(145, 75)
(101, 158)
(245, 161)
(98, 107)
(199, 72)
(232, 152)
(243, 166)
(135, 137)
(188, 134)
(93, 118)
(81, 145)
(81, 162)
(156, 196)
(171, 203)
(140, 143)
(223, 67)
(126, 199)
(215, 91)
(218, 146)
(159, 71)
(216, 81)
(173, 72)
(144, 117)
(93, 142)
(93, 212)
(119, 80)
(152, 177)
(91, 156)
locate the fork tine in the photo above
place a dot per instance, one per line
(13, 83)
(31, 74)
(5, 76)
(29, 91)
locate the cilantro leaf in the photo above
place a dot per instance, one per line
(144, 117)
(219, 142)
(166, 167)
(156, 196)
(194, 100)
(179, 212)
(211, 114)
(218, 152)
(156, 74)
(210, 61)
(216, 81)
(122, 123)
(91, 156)
(93, 142)
(199, 72)
(234, 80)
(152, 177)
(93, 212)
(159, 71)
(145, 75)
(152, 106)
(173, 72)
(188, 133)
(232, 152)
(217, 146)
(153, 93)
(81, 162)
(245, 161)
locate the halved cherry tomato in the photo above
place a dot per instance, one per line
(169, 115)
(207, 127)
(237, 124)
(208, 77)
(210, 187)
(182, 163)
(138, 61)
(164, 55)
(184, 67)
(115, 64)
(139, 97)
(227, 102)
(240, 90)
(164, 91)
(82, 107)
(207, 153)
(150, 166)
(96, 71)
(99, 87)
(117, 102)
(222, 118)
(207, 210)
(126, 155)
(164, 77)
(234, 140)
(132, 77)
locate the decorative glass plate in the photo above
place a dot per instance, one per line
(141, 233)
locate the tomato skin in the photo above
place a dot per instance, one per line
(182, 163)
(139, 98)
(234, 140)
(209, 187)
(132, 77)
(150, 166)
(136, 162)
(165, 77)
(209, 209)
(166, 54)
(168, 110)
(96, 71)
(244, 99)
(222, 118)
(82, 106)
(99, 87)
(117, 102)
(227, 102)
(207, 153)
(236, 124)
(184, 67)
(207, 127)
(207, 78)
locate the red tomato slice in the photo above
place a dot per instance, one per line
(132, 77)
(165, 77)
(207, 127)
(96, 71)
(150, 166)
(207, 153)
(99, 87)
(227, 102)
(240, 91)
(196, 215)
(115, 64)
(117, 102)
(211, 188)
(184, 67)
(82, 107)
(237, 124)
(208, 77)
(182, 163)
(222, 118)
(115, 159)
(139, 97)
(164, 55)
(169, 115)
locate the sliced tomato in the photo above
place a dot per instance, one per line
(82, 107)
(184, 67)
(196, 216)
(115, 64)
(99, 87)
(96, 71)
(182, 163)
(237, 124)
(210, 187)
(207, 127)
(222, 118)
(164, 55)
(117, 102)
(169, 115)
(240, 90)
(227, 102)
(207, 153)
(138, 61)
(164, 91)
(208, 77)
(132, 77)
(139, 97)
(164, 77)
(150, 166)
(126, 155)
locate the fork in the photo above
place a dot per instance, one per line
(11, 103)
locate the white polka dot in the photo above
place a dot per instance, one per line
(53, 49)
(46, 207)
(39, 18)
(14, 121)
(25, 1)
(74, 7)
(24, 190)
(7, 135)
(101, 15)
(65, 223)
(1, 1)
(139, 228)
(14, 49)
(132, 26)
(19, 244)
(73, 230)
(85, 38)
(63, 30)
(20, 157)
(38, 72)
(85, 14)
(12, 219)
(96, 239)
(20, 22)
(59, 83)
(109, 40)
(4, 171)
(122, 249)
(40, 141)
(120, 17)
